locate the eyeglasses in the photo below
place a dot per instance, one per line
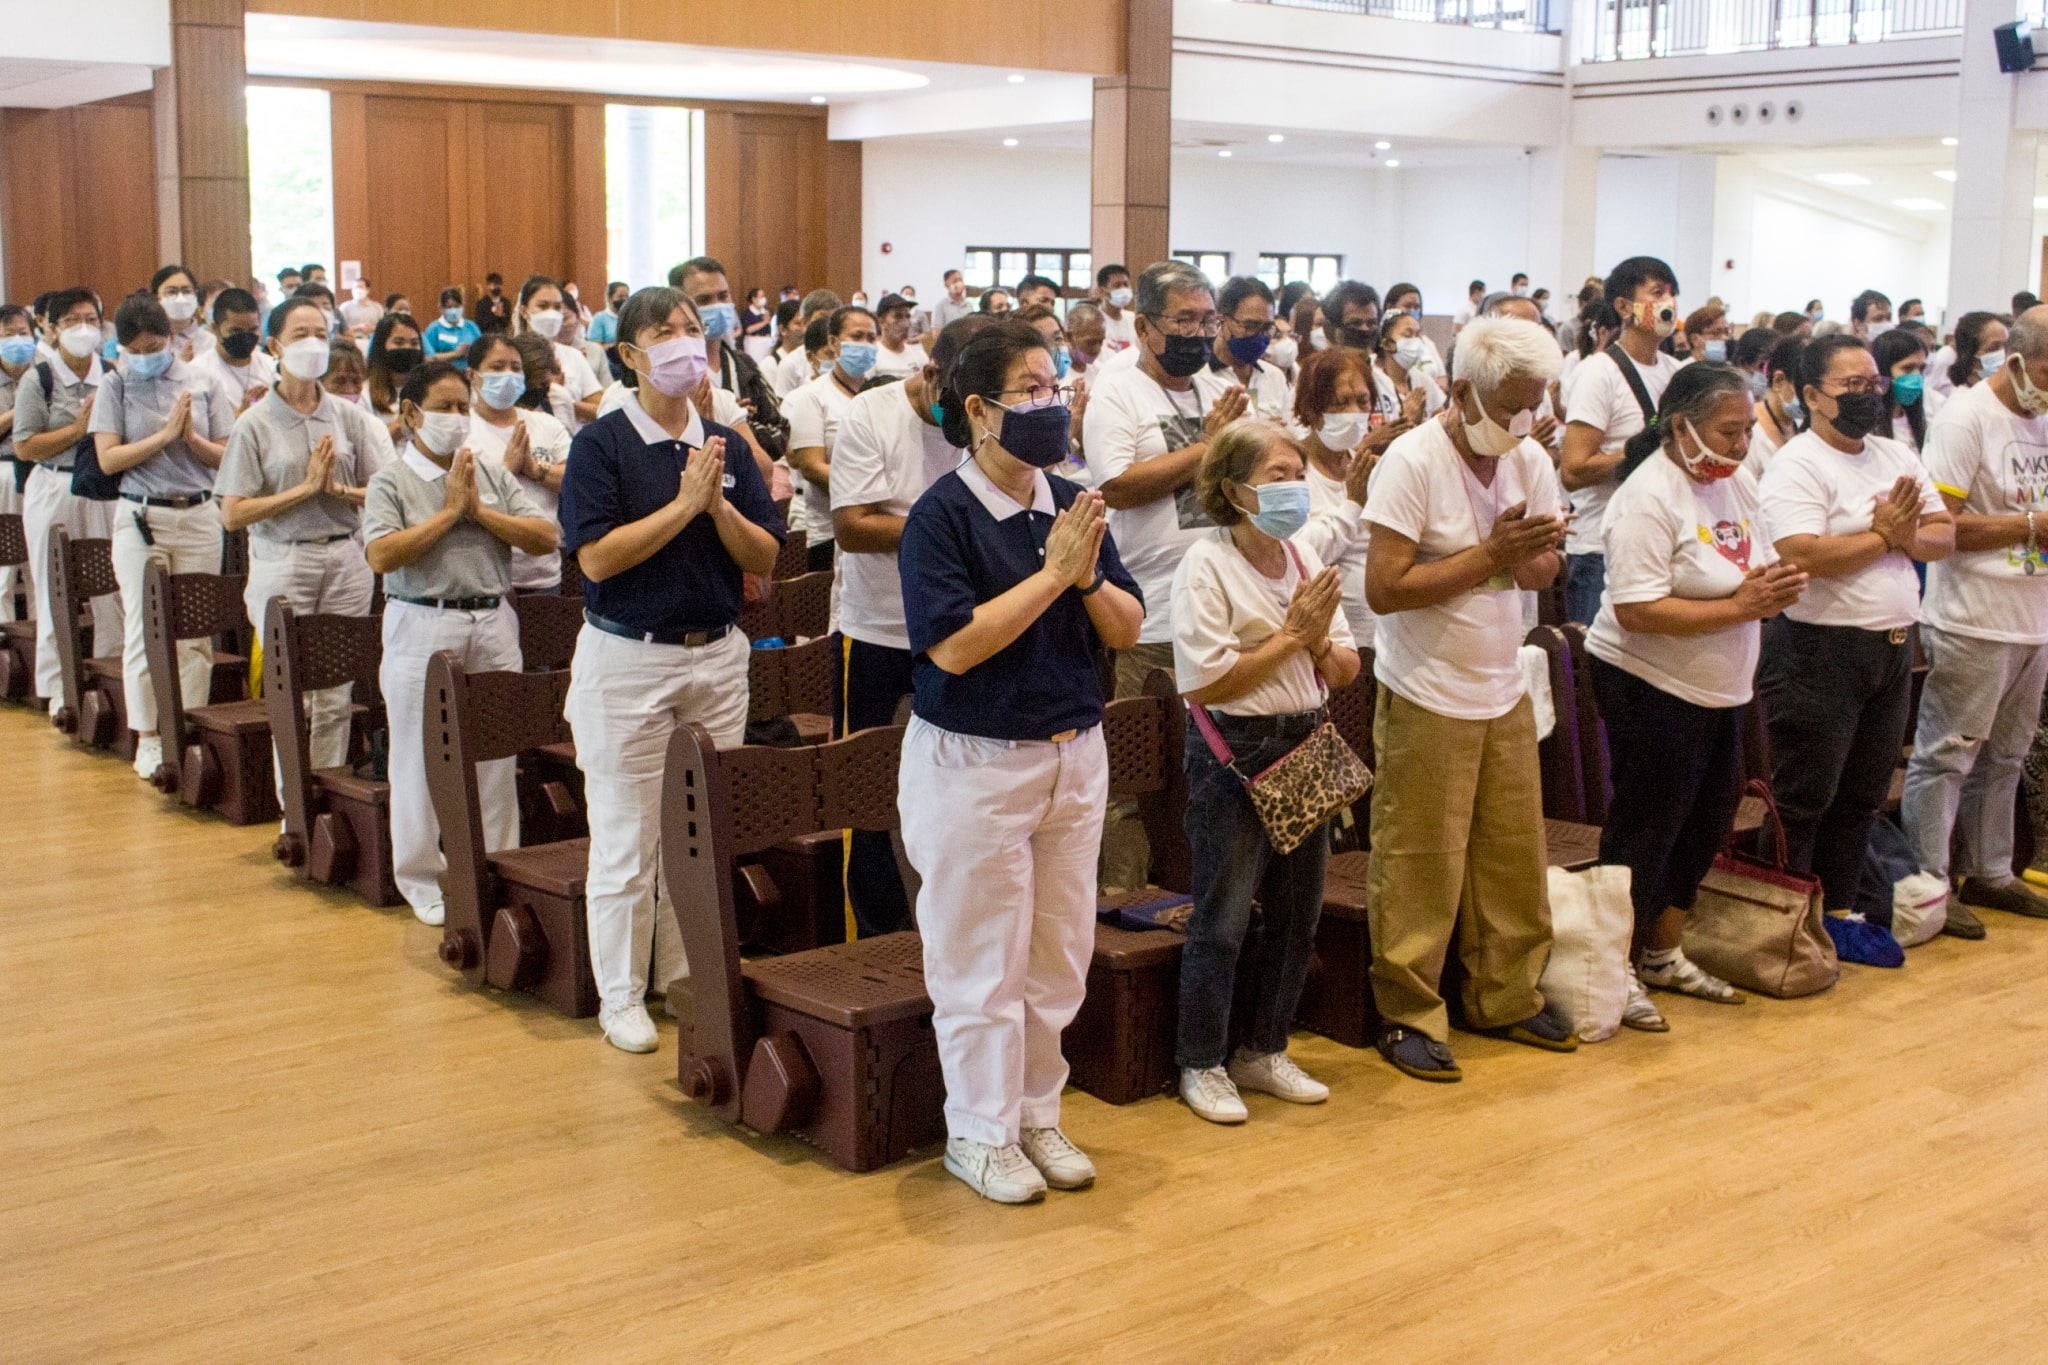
(1251, 329)
(1189, 324)
(1038, 396)
(1878, 385)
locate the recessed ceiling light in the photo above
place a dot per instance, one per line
(1949, 176)
(1843, 178)
(1383, 146)
(1918, 205)
(1009, 142)
(1224, 152)
(817, 99)
(1276, 137)
(1948, 142)
(1016, 79)
(1392, 164)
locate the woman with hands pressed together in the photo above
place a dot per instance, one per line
(1011, 584)
(441, 526)
(1854, 510)
(1258, 641)
(1333, 401)
(664, 512)
(1464, 513)
(531, 446)
(1689, 576)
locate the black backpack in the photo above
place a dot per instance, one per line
(88, 480)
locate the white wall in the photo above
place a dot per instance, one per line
(929, 200)
(1804, 251)
(1659, 206)
(1246, 208)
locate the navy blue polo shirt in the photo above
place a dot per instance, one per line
(617, 475)
(964, 544)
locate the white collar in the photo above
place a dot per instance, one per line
(1000, 505)
(418, 463)
(70, 378)
(651, 431)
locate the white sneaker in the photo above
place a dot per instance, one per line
(1640, 1012)
(1683, 976)
(1210, 1093)
(149, 756)
(629, 1029)
(434, 915)
(1276, 1074)
(1003, 1174)
(1064, 1166)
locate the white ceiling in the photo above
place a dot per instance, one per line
(1896, 171)
(1252, 142)
(29, 83)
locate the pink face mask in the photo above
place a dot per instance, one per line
(676, 366)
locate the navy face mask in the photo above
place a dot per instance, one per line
(1247, 350)
(1037, 436)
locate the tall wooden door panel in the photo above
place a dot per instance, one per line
(519, 175)
(77, 198)
(417, 162)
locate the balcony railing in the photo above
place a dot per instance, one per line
(1527, 16)
(1626, 29)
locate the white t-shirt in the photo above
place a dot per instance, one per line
(1269, 395)
(1388, 397)
(1601, 398)
(1996, 461)
(1937, 371)
(1457, 658)
(1813, 489)
(1126, 359)
(792, 372)
(814, 413)
(236, 379)
(577, 377)
(900, 364)
(1118, 334)
(887, 454)
(1337, 532)
(549, 441)
(1223, 606)
(1669, 536)
(1131, 418)
(1763, 444)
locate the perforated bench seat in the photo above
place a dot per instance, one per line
(232, 717)
(557, 869)
(853, 985)
(1120, 1046)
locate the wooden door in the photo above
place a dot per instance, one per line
(417, 164)
(519, 188)
(78, 198)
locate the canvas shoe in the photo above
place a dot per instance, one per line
(149, 756)
(1275, 1074)
(1210, 1092)
(1003, 1174)
(629, 1029)
(1064, 1166)
(433, 916)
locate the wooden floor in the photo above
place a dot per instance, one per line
(245, 1121)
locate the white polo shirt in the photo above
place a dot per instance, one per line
(887, 455)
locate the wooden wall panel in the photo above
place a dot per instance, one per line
(765, 195)
(201, 155)
(518, 170)
(589, 231)
(62, 215)
(348, 123)
(410, 245)
(843, 248)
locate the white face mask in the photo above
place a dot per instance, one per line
(1316, 340)
(2033, 401)
(79, 340)
(1411, 351)
(1878, 329)
(1284, 352)
(546, 321)
(441, 433)
(180, 307)
(1120, 298)
(1344, 430)
(307, 358)
(1488, 437)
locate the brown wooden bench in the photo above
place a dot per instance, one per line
(17, 637)
(550, 784)
(804, 606)
(835, 1044)
(93, 709)
(216, 756)
(1559, 753)
(793, 896)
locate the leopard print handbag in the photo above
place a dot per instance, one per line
(1298, 793)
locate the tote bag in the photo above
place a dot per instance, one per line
(1759, 925)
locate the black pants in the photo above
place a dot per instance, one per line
(1835, 703)
(818, 558)
(1677, 774)
(876, 679)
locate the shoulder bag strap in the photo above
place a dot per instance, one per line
(1635, 383)
(1218, 749)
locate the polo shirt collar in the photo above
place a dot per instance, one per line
(70, 379)
(998, 503)
(651, 431)
(419, 464)
(285, 415)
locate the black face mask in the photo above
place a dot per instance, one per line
(240, 345)
(402, 359)
(1857, 414)
(1185, 356)
(1359, 338)
(1037, 436)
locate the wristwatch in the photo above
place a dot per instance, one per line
(1101, 577)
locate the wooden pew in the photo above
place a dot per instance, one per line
(17, 638)
(216, 756)
(93, 710)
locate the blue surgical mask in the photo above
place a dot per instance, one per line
(18, 351)
(145, 367)
(938, 412)
(1906, 389)
(452, 316)
(1061, 362)
(1283, 508)
(1759, 384)
(1795, 411)
(720, 319)
(1715, 350)
(858, 358)
(502, 388)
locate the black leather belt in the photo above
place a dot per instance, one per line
(177, 503)
(688, 639)
(448, 603)
(323, 540)
(1292, 726)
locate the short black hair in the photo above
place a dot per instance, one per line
(163, 273)
(1347, 294)
(696, 265)
(10, 311)
(232, 301)
(1904, 304)
(841, 316)
(987, 294)
(283, 312)
(818, 332)
(1754, 347)
(451, 295)
(494, 278)
(1860, 306)
(292, 271)
(1518, 275)
(307, 270)
(787, 312)
(1632, 274)
(1818, 355)
(1237, 289)
(2024, 300)
(313, 290)
(423, 377)
(1110, 272)
(1402, 290)
(61, 301)
(1476, 287)
(392, 300)
(140, 315)
(951, 274)
(1037, 282)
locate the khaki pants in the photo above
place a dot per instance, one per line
(1126, 856)
(1457, 843)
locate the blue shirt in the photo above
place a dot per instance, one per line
(442, 340)
(966, 543)
(604, 327)
(624, 467)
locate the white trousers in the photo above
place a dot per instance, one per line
(187, 541)
(14, 575)
(626, 698)
(1005, 837)
(46, 504)
(331, 577)
(484, 642)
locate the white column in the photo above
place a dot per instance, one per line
(1734, 236)
(1564, 192)
(637, 200)
(1992, 234)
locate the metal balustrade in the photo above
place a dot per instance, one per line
(1527, 16)
(1624, 30)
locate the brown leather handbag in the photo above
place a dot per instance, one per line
(1761, 926)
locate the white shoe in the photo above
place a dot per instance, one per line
(1003, 1174)
(434, 915)
(149, 756)
(1639, 1011)
(1064, 1166)
(629, 1030)
(1210, 1093)
(1684, 977)
(1276, 1074)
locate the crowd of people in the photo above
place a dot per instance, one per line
(1253, 490)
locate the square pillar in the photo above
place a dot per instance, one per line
(202, 142)
(1991, 244)
(1132, 143)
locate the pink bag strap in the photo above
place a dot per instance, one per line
(1761, 789)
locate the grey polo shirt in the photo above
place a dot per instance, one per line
(267, 455)
(130, 410)
(8, 385)
(467, 562)
(68, 392)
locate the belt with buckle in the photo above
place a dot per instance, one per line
(1293, 725)
(1897, 635)
(688, 639)
(177, 503)
(1062, 737)
(448, 603)
(323, 540)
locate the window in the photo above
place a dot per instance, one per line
(990, 267)
(1322, 272)
(1214, 264)
(291, 157)
(653, 190)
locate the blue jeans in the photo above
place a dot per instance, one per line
(1585, 578)
(1234, 862)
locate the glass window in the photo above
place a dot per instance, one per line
(653, 190)
(990, 267)
(1214, 264)
(979, 269)
(291, 156)
(1321, 271)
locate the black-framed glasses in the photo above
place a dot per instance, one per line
(1877, 385)
(1252, 329)
(1036, 396)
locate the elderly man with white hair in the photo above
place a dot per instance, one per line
(1464, 513)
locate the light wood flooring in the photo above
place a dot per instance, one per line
(247, 1121)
